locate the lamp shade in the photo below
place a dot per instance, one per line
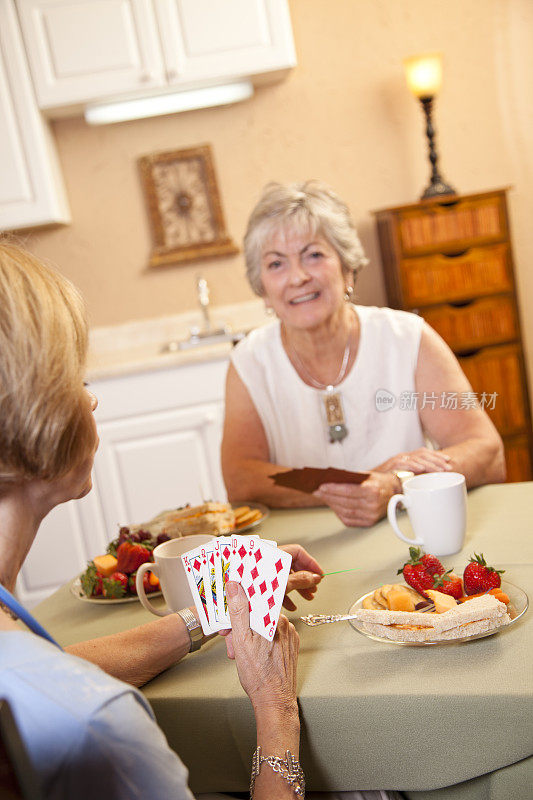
(424, 74)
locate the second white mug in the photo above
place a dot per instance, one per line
(436, 506)
(169, 569)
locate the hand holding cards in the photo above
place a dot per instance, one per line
(257, 564)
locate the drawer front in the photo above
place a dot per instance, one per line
(452, 225)
(440, 278)
(491, 320)
(518, 459)
(497, 372)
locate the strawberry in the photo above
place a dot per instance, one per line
(420, 571)
(449, 583)
(147, 585)
(116, 585)
(478, 577)
(130, 556)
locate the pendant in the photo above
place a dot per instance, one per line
(335, 415)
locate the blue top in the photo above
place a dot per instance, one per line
(87, 735)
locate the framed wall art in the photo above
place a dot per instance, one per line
(184, 206)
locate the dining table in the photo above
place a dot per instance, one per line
(448, 721)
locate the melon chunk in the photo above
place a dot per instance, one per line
(105, 565)
(443, 602)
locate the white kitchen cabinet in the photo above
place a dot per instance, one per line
(31, 187)
(83, 51)
(160, 435)
(203, 39)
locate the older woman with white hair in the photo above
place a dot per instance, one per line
(86, 733)
(306, 389)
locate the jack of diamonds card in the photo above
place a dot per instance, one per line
(264, 581)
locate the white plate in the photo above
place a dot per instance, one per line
(77, 591)
(260, 507)
(518, 605)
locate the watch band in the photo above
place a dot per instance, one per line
(193, 626)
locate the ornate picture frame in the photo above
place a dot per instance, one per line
(184, 206)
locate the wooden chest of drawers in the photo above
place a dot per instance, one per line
(449, 259)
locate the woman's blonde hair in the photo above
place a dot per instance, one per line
(45, 428)
(309, 207)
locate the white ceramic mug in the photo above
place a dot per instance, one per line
(169, 569)
(436, 506)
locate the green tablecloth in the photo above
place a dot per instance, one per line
(373, 715)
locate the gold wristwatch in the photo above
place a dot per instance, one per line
(403, 475)
(193, 626)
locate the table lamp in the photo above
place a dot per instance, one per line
(424, 78)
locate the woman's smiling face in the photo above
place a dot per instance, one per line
(302, 277)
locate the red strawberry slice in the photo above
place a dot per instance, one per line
(478, 577)
(421, 570)
(130, 556)
(116, 585)
(449, 583)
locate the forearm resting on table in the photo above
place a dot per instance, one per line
(277, 732)
(248, 479)
(481, 460)
(138, 655)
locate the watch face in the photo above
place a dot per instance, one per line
(404, 474)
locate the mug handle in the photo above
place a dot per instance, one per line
(391, 514)
(149, 565)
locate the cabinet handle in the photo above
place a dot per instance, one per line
(460, 303)
(468, 353)
(145, 77)
(172, 74)
(456, 253)
(447, 203)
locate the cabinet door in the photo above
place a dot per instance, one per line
(81, 50)
(164, 459)
(205, 40)
(68, 537)
(31, 188)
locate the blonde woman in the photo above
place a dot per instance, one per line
(88, 734)
(304, 389)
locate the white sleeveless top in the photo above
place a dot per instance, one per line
(294, 416)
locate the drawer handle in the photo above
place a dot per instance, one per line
(447, 203)
(468, 353)
(460, 303)
(456, 253)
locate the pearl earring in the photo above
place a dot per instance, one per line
(348, 292)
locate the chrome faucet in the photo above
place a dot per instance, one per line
(202, 291)
(206, 334)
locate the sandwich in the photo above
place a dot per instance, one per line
(216, 519)
(480, 615)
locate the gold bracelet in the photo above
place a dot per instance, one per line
(288, 768)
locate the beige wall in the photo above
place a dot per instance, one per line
(343, 115)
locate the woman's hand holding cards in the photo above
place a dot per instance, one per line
(267, 673)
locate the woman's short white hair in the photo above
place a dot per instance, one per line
(309, 207)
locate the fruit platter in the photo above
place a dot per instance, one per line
(111, 577)
(435, 605)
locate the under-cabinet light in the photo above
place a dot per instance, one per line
(138, 108)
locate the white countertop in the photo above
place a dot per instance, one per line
(136, 346)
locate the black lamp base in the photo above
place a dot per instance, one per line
(437, 186)
(437, 189)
